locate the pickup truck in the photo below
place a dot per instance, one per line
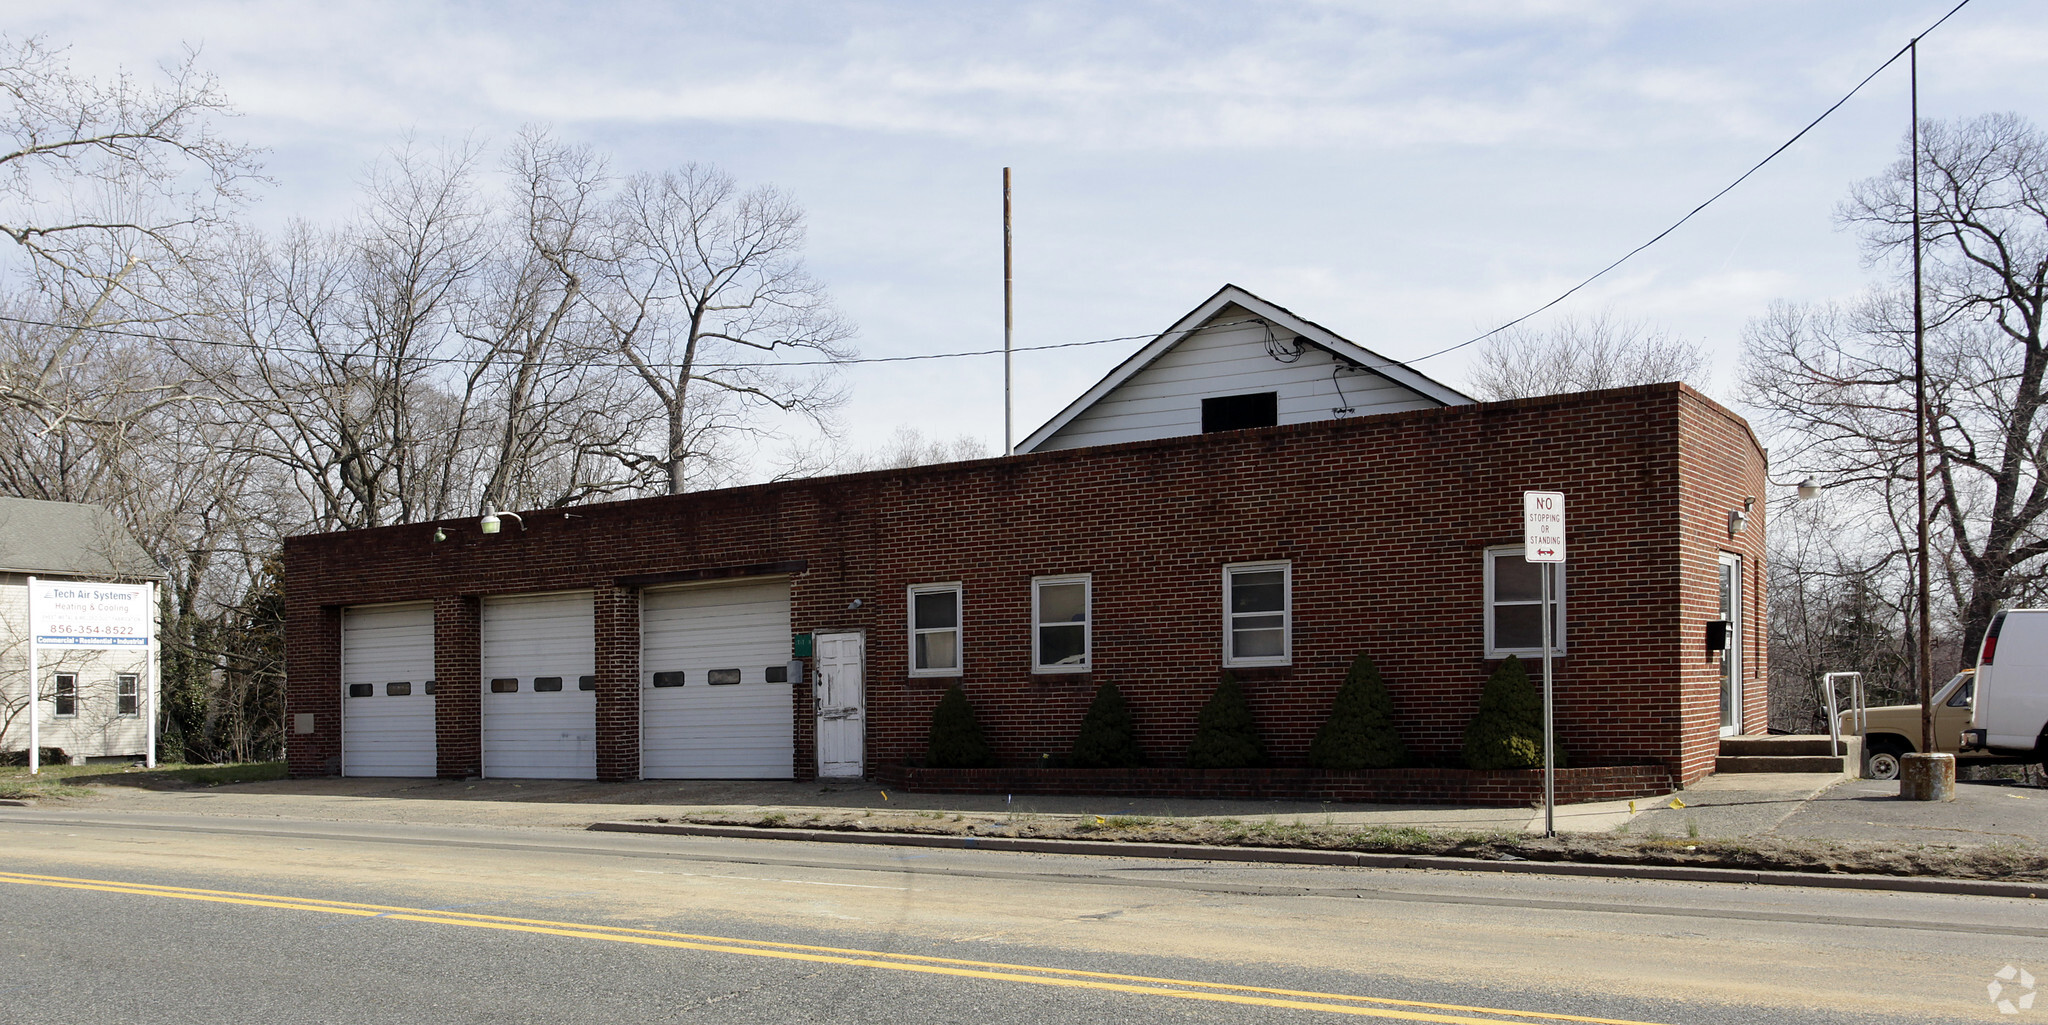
(1894, 730)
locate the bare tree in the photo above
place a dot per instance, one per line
(559, 405)
(706, 295)
(1583, 354)
(1837, 383)
(909, 447)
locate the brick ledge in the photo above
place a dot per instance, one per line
(1499, 788)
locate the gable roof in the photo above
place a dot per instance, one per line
(69, 539)
(1274, 314)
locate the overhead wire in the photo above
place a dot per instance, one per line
(226, 343)
(1408, 363)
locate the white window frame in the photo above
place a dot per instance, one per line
(132, 680)
(1286, 656)
(1487, 605)
(57, 693)
(1087, 663)
(958, 629)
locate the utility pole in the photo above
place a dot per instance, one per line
(1009, 435)
(1924, 658)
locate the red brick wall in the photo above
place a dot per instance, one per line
(458, 685)
(312, 654)
(617, 610)
(1721, 467)
(1384, 519)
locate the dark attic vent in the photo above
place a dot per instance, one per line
(1238, 412)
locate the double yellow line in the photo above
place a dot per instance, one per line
(1180, 989)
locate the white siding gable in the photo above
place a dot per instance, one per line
(1236, 350)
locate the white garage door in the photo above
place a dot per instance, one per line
(539, 699)
(714, 697)
(387, 704)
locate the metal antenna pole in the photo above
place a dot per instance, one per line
(1924, 662)
(1009, 435)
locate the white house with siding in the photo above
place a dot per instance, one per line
(95, 703)
(1238, 361)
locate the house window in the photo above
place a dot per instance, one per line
(1258, 601)
(128, 694)
(1238, 412)
(1514, 605)
(935, 630)
(67, 695)
(1060, 624)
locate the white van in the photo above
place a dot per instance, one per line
(2009, 715)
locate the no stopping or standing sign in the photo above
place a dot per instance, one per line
(1543, 526)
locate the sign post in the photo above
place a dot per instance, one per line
(35, 712)
(1543, 544)
(87, 614)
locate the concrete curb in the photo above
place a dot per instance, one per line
(1356, 859)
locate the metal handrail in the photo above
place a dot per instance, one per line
(1860, 720)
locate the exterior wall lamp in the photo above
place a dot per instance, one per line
(491, 522)
(1739, 518)
(1809, 489)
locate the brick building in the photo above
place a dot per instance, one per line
(651, 638)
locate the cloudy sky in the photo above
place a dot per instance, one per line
(1407, 174)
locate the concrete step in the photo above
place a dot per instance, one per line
(1779, 763)
(1787, 744)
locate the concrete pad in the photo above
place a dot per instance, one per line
(1733, 804)
(1986, 812)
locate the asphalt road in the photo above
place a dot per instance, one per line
(112, 917)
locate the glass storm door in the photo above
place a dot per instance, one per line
(1731, 659)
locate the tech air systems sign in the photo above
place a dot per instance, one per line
(74, 614)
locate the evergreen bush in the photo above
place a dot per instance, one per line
(956, 740)
(1359, 734)
(1109, 736)
(1226, 737)
(1507, 731)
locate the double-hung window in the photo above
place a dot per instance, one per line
(1060, 624)
(1514, 605)
(128, 695)
(935, 630)
(1258, 614)
(67, 695)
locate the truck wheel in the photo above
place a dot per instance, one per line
(1883, 761)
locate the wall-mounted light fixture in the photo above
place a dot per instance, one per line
(491, 522)
(1809, 489)
(440, 535)
(1737, 519)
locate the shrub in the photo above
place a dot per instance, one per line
(1226, 737)
(1359, 734)
(956, 740)
(1108, 737)
(1507, 731)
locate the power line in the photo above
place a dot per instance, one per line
(223, 343)
(1561, 297)
(1758, 166)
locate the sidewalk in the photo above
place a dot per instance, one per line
(1807, 806)
(1808, 830)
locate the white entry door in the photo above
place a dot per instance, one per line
(1731, 659)
(842, 710)
(715, 697)
(539, 686)
(387, 703)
